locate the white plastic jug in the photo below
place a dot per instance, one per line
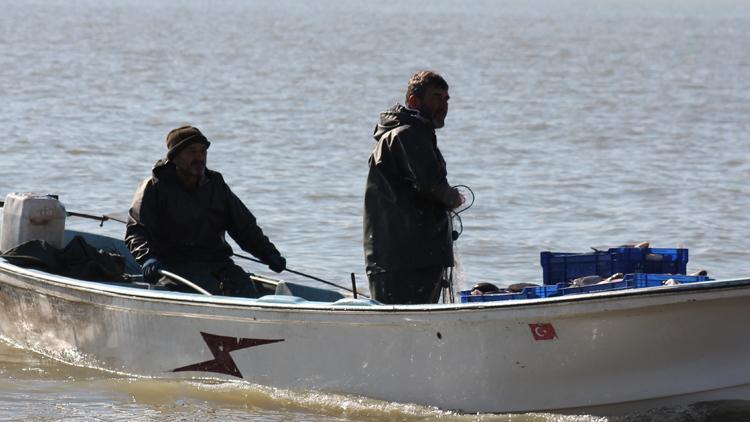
(31, 216)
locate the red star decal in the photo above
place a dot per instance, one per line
(220, 347)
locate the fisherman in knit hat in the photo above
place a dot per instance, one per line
(179, 218)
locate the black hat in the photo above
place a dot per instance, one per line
(179, 138)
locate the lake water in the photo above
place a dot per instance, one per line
(577, 124)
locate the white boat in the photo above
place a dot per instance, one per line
(605, 352)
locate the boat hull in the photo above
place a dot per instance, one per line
(606, 353)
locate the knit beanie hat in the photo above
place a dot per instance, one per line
(179, 138)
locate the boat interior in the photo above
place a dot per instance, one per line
(273, 290)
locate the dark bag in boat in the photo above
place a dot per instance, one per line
(77, 260)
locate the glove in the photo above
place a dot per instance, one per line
(151, 270)
(277, 263)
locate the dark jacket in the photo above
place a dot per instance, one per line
(174, 224)
(406, 219)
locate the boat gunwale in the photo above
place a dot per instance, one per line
(105, 288)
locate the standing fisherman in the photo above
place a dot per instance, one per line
(407, 231)
(179, 218)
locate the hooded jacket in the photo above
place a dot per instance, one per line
(174, 224)
(407, 197)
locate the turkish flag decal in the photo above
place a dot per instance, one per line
(543, 331)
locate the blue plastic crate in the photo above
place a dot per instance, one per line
(530, 292)
(562, 267)
(630, 281)
(543, 291)
(651, 280)
(613, 285)
(466, 296)
(649, 260)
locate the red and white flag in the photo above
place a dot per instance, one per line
(543, 331)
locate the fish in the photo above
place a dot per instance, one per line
(641, 245)
(613, 278)
(585, 281)
(481, 288)
(518, 287)
(671, 282)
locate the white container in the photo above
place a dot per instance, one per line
(31, 216)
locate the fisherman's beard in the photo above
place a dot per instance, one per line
(437, 120)
(196, 168)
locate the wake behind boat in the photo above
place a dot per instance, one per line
(597, 351)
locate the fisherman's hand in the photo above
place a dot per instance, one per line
(151, 269)
(277, 263)
(456, 199)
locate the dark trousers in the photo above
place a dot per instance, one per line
(217, 277)
(407, 286)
